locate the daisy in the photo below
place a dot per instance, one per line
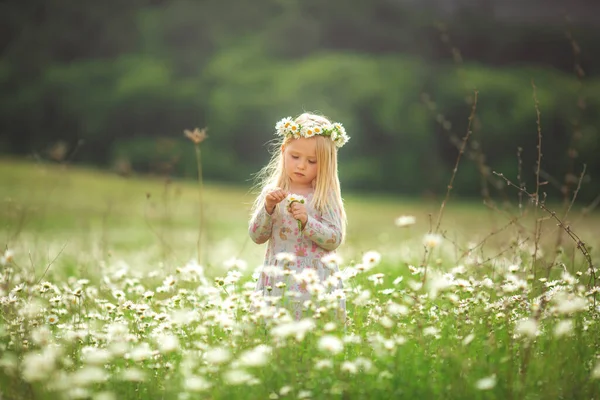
(405, 220)
(284, 126)
(331, 344)
(432, 240)
(309, 132)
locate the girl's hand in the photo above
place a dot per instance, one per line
(298, 211)
(274, 197)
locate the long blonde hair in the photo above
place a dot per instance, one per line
(327, 185)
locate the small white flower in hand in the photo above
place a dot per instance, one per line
(295, 198)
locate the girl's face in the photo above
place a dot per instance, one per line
(300, 160)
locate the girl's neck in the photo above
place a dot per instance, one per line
(302, 190)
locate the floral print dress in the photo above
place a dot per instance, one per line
(291, 251)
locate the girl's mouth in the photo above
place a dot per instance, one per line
(298, 174)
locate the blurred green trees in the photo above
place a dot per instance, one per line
(123, 81)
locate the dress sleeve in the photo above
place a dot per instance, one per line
(326, 231)
(261, 224)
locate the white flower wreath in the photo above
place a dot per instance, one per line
(288, 128)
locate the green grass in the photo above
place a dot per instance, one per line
(90, 246)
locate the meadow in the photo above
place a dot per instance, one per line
(116, 287)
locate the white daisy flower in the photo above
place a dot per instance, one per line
(527, 327)
(283, 126)
(432, 240)
(332, 260)
(195, 383)
(331, 344)
(217, 355)
(286, 257)
(308, 132)
(486, 383)
(563, 328)
(405, 220)
(342, 140)
(371, 259)
(294, 130)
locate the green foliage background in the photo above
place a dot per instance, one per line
(121, 82)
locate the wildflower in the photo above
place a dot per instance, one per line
(468, 339)
(41, 335)
(104, 396)
(330, 326)
(486, 383)
(398, 280)
(52, 319)
(405, 220)
(95, 356)
(89, 375)
(323, 364)
(377, 278)
(148, 295)
(168, 343)
(280, 285)
(140, 353)
(569, 304)
(430, 331)
(169, 281)
(348, 366)
(133, 375)
(118, 294)
(304, 394)
(39, 366)
(527, 327)
(331, 344)
(299, 329)
(397, 309)
(18, 288)
(436, 283)
(285, 390)
(596, 372)
(256, 357)
(371, 259)
(196, 383)
(237, 377)
(386, 322)
(217, 355)
(286, 257)
(563, 328)
(197, 135)
(295, 198)
(236, 263)
(331, 261)
(432, 240)
(7, 257)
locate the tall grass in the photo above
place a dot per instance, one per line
(138, 325)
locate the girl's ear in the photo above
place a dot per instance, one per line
(282, 148)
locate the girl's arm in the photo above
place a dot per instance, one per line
(326, 233)
(261, 225)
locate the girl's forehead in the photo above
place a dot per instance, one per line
(306, 146)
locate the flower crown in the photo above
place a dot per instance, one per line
(288, 128)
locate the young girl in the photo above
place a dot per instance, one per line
(301, 214)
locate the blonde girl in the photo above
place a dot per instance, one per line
(300, 213)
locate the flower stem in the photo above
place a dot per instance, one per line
(200, 213)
